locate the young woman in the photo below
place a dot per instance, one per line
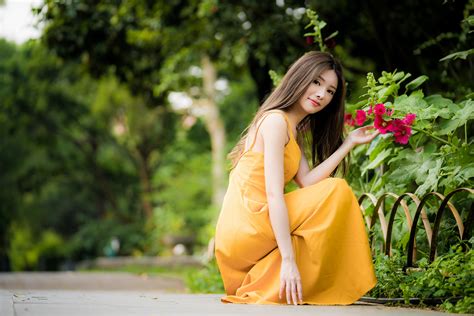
(308, 246)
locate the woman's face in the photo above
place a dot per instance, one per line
(319, 93)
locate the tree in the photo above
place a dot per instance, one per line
(67, 166)
(149, 57)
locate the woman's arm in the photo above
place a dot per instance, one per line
(306, 177)
(274, 132)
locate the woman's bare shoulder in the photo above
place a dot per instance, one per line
(274, 126)
(273, 121)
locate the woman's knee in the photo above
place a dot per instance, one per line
(341, 186)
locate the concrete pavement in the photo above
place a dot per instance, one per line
(118, 303)
(116, 294)
(70, 280)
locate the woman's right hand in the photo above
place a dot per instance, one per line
(290, 282)
(362, 135)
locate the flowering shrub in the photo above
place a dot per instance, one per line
(437, 150)
(384, 122)
(437, 156)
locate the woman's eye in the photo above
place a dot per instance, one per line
(316, 82)
(331, 92)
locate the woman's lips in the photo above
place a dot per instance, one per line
(315, 103)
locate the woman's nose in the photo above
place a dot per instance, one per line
(320, 94)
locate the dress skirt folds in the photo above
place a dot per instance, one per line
(327, 232)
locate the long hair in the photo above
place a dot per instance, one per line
(321, 131)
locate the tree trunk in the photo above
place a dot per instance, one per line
(216, 130)
(146, 189)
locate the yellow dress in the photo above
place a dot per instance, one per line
(327, 232)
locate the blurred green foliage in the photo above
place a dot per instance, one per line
(205, 280)
(75, 151)
(90, 149)
(27, 251)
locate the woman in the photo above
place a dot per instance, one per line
(308, 246)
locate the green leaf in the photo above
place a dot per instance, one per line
(413, 103)
(415, 83)
(430, 183)
(377, 161)
(433, 112)
(334, 34)
(447, 106)
(408, 75)
(447, 127)
(404, 173)
(398, 76)
(405, 153)
(392, 90)
(467, 172)
(461, 117)
(359, 104)
(376, 146)
(429, 148)
(466, 113)
(460, 55)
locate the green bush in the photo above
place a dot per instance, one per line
(448, 277)
(30, 252)
(205, 280)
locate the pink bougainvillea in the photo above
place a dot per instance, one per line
(384, 121)
(361, 116)
(401, 131)
(382, 125)
(409, 118)
(379, 109)
(348, 119)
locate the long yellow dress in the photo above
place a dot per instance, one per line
(327, 232)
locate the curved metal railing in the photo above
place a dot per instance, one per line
(432, 233)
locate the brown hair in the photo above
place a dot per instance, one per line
(323, 130)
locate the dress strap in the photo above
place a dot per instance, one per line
(261, 121)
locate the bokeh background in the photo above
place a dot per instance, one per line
(116, 116)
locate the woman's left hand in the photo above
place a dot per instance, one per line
(362, 135)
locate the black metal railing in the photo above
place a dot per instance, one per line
(432, 232)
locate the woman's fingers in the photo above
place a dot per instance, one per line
(282, 288)
(299, 288)
(293, 293)
(288, 295)
(372, 136)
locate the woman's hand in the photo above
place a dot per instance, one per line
(290, 282)
(362, 135)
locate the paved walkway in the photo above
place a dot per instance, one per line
(116, 294)
(111, 281)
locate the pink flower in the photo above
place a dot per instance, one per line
(389, 112)
(348, 119)
(383, 126)
(409, 118)
(369, 111)
(400, 131)
(379, 109)
(360, 117)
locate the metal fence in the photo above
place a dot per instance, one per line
(432, 231)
